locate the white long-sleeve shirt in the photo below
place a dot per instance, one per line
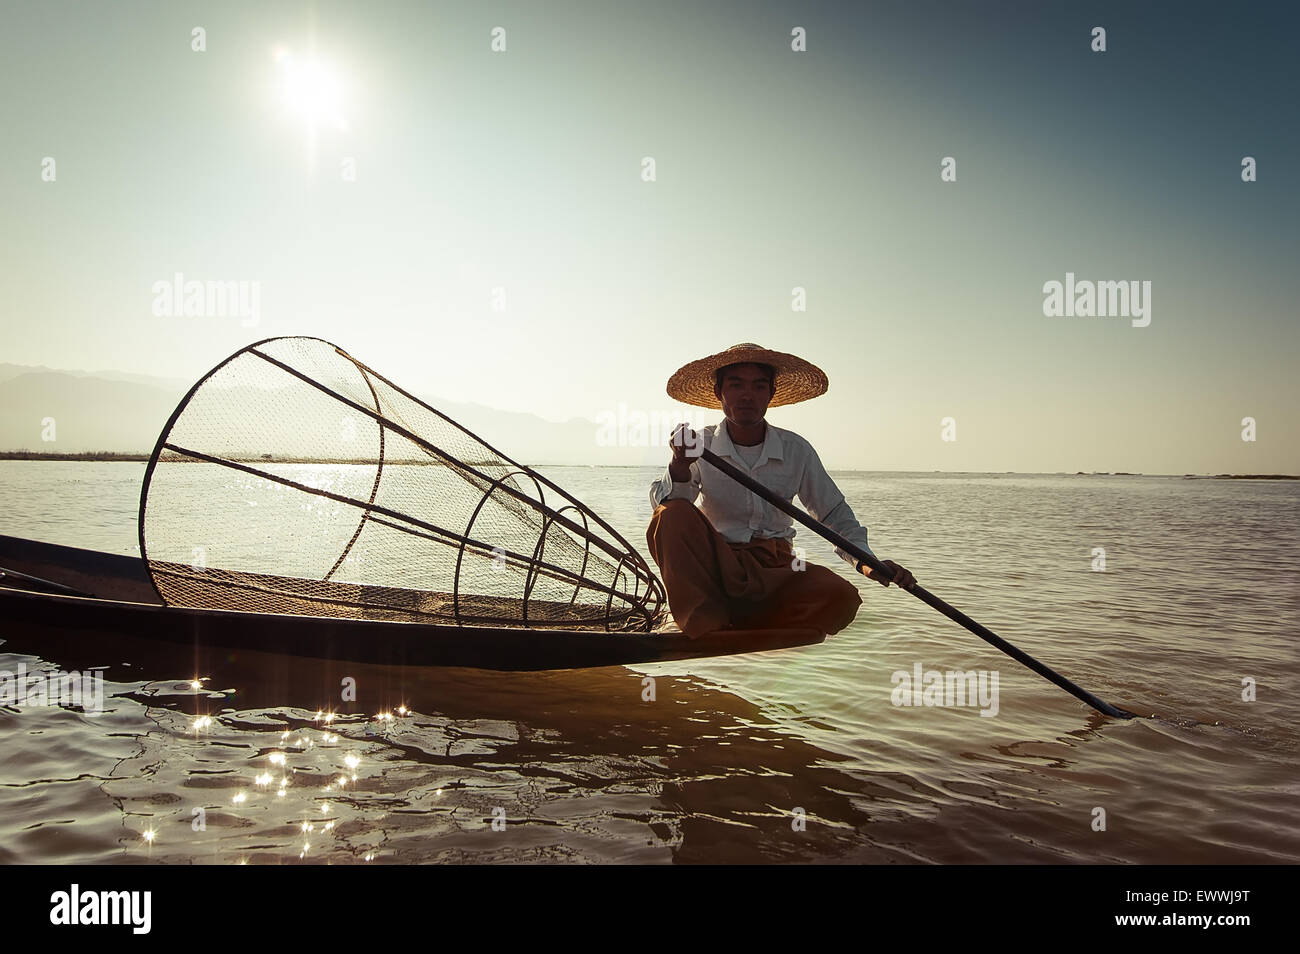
(787, 465)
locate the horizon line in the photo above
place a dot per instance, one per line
(143, 457)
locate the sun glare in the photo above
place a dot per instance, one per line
(310, 89)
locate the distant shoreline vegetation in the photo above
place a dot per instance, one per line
(267, 459)
(83, 455)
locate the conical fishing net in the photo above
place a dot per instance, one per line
(294, 479)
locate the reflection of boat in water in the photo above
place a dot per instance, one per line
(117, 600)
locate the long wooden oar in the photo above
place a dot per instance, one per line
(922, 594)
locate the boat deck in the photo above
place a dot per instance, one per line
(107, 576)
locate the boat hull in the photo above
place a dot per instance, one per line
(123, 605)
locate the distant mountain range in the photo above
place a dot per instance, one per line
(11, 371)
(111, 411)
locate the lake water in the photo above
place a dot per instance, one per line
(799, 755)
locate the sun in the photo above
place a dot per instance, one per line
(311, 90)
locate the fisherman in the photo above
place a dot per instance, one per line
(729, 563)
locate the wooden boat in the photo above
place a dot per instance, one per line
(417, 544)
(47, 590)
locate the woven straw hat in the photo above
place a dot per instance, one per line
(796, 379)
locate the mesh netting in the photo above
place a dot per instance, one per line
(294, 479)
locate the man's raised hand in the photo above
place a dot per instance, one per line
(685, 444)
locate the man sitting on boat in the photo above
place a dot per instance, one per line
(729, 563)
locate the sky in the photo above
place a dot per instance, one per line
(517, 176)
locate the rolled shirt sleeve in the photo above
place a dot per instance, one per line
(665, 488)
